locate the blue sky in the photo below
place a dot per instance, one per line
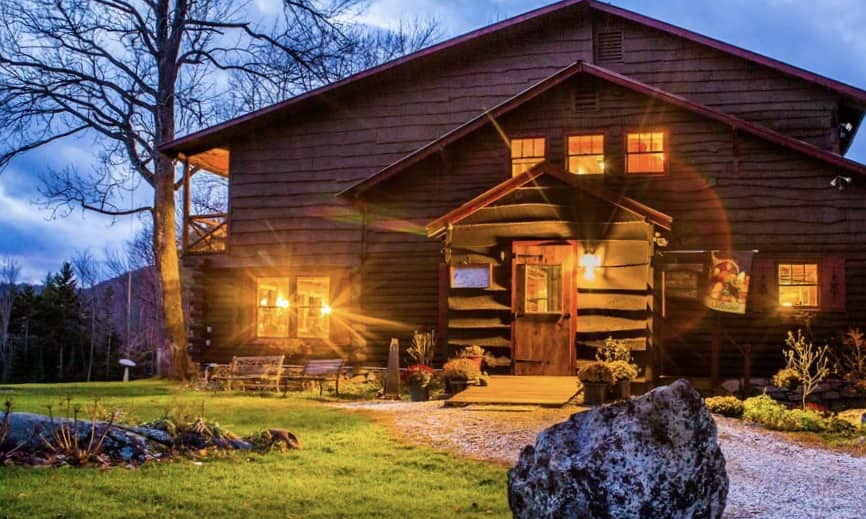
(826, 37)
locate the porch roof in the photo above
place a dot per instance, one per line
(437, 226)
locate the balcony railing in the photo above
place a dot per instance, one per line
(206, 234)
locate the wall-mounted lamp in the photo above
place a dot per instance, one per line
(589, 262)
(840, 182)
(282, 302)
(326, 310)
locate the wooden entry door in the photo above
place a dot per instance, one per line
(543, 302)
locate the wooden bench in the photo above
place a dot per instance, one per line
(263, 371)
(320, 370)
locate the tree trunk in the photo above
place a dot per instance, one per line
(168, 265)
(92, 339)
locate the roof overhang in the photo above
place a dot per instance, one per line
(215, 160)
(219, 135)
(453, 217)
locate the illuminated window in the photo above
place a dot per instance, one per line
(645, 152)
(272, 315)
(798, 284)
(526, 153)
(542, 289)
(586, 154)
(313, 308)
(308, 309)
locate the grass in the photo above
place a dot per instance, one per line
(349, 466)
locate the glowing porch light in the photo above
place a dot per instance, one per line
(326, 310)
(263, 302)
(589, 262)
(282, 302)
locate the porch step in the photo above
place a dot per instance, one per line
(519, 390)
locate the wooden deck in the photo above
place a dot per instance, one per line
(522, 390)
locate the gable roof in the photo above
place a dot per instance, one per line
(507, 187)
(607, 75)
(217, 135)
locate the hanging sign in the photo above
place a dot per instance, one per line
(728, 288)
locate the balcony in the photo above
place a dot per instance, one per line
(205, 202)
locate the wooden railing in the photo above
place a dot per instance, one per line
(207, 233)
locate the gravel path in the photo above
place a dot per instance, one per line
(770, 476)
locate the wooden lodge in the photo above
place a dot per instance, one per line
(575, 173)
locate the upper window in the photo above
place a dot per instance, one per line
(526, 153)
(645, 152)
(309, 309)
(798, 284)
(586, 154)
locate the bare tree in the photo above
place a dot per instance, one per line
(131, 73)
(9, 271)
(88, 270)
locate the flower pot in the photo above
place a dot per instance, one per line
(418, 394)
(593, 393)
(622, 390)
(456, 385)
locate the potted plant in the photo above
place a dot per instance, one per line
(417, 378)
(595, 378)
(474, 352)
(458, 372)
(623, 373)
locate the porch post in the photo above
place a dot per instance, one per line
(186, 204)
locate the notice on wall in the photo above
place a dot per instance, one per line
(728, 287)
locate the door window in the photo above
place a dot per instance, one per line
(542, 289)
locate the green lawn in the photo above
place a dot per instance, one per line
(349, 467)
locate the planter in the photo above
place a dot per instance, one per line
(456, 385)
(622, 390)
(593, 393)
(418, 394)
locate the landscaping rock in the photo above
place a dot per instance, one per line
(653, 456)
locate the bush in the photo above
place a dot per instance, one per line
(595, 373)
(622, 370)
(457, 369)
(766, 411)
(785, 379)
(613, 350)
(729, 406)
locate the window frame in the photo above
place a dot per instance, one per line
(604, 147)
(666, 150)
(510, 147)
(293, 308)
(778, 282)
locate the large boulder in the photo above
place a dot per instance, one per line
(653, 456)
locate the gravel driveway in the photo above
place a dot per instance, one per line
(770, 476)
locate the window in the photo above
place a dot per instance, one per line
(309, 309)
(798, 284)
(313, 308)
(645, 152)
(542, 289)
(272, 315)
(470, 276)
(526, 153)
(586, 154)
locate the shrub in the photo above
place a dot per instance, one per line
(808, 362)
(621, 370)
(764, 410)
(852, 358)
(595, 373)
(423, 347)
(729, 406)
(471, 351)
(785, 379)
(613, 350)
(460, 368)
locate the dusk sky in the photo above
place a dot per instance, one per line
(827, 37)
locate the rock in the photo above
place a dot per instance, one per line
(653, 456)
(731, 385)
